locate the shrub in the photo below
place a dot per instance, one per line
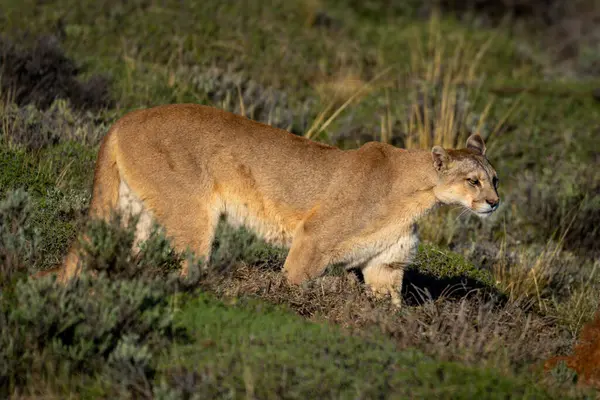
(109, 249)
(92, 334)
(18, 237)
(235, 92)
(43, 73)
(63, 335)
(233, 246)
(36, 128)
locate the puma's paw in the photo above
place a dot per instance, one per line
(387, 291)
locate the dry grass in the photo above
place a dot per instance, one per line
(528, 277)
(446, 90)
(7, 125)
(546, 276)
(581, 302)
(467, 329)
(33, 128)
(339, 88)
(350, 95)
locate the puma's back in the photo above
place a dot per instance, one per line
(190, 148)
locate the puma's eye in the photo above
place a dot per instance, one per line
(473, 182)
(495, 182)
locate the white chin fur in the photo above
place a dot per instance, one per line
(483, 214)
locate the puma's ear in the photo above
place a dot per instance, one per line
(440, 158)
(475, 142)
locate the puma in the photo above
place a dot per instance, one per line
(184, 166)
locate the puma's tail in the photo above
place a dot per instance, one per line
(105, 195)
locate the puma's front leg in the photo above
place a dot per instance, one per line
(384, 272)
(384, 280)
(305, 260)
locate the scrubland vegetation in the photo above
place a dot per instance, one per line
(487, 302)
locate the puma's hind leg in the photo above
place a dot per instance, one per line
(192, 230)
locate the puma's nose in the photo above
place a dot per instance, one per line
(493, 203)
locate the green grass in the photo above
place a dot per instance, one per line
(446, 264)
(247, 348)
(275, 45)
(63, 166)
(58, 178)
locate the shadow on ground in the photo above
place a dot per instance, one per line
(419, 287)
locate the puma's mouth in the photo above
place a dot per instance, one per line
(484, 214)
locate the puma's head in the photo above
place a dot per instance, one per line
(466, 177)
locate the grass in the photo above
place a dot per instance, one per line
(486, 301)
(135, 329)
(281, 356)
(450, 79)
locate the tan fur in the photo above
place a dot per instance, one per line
(186, 165)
